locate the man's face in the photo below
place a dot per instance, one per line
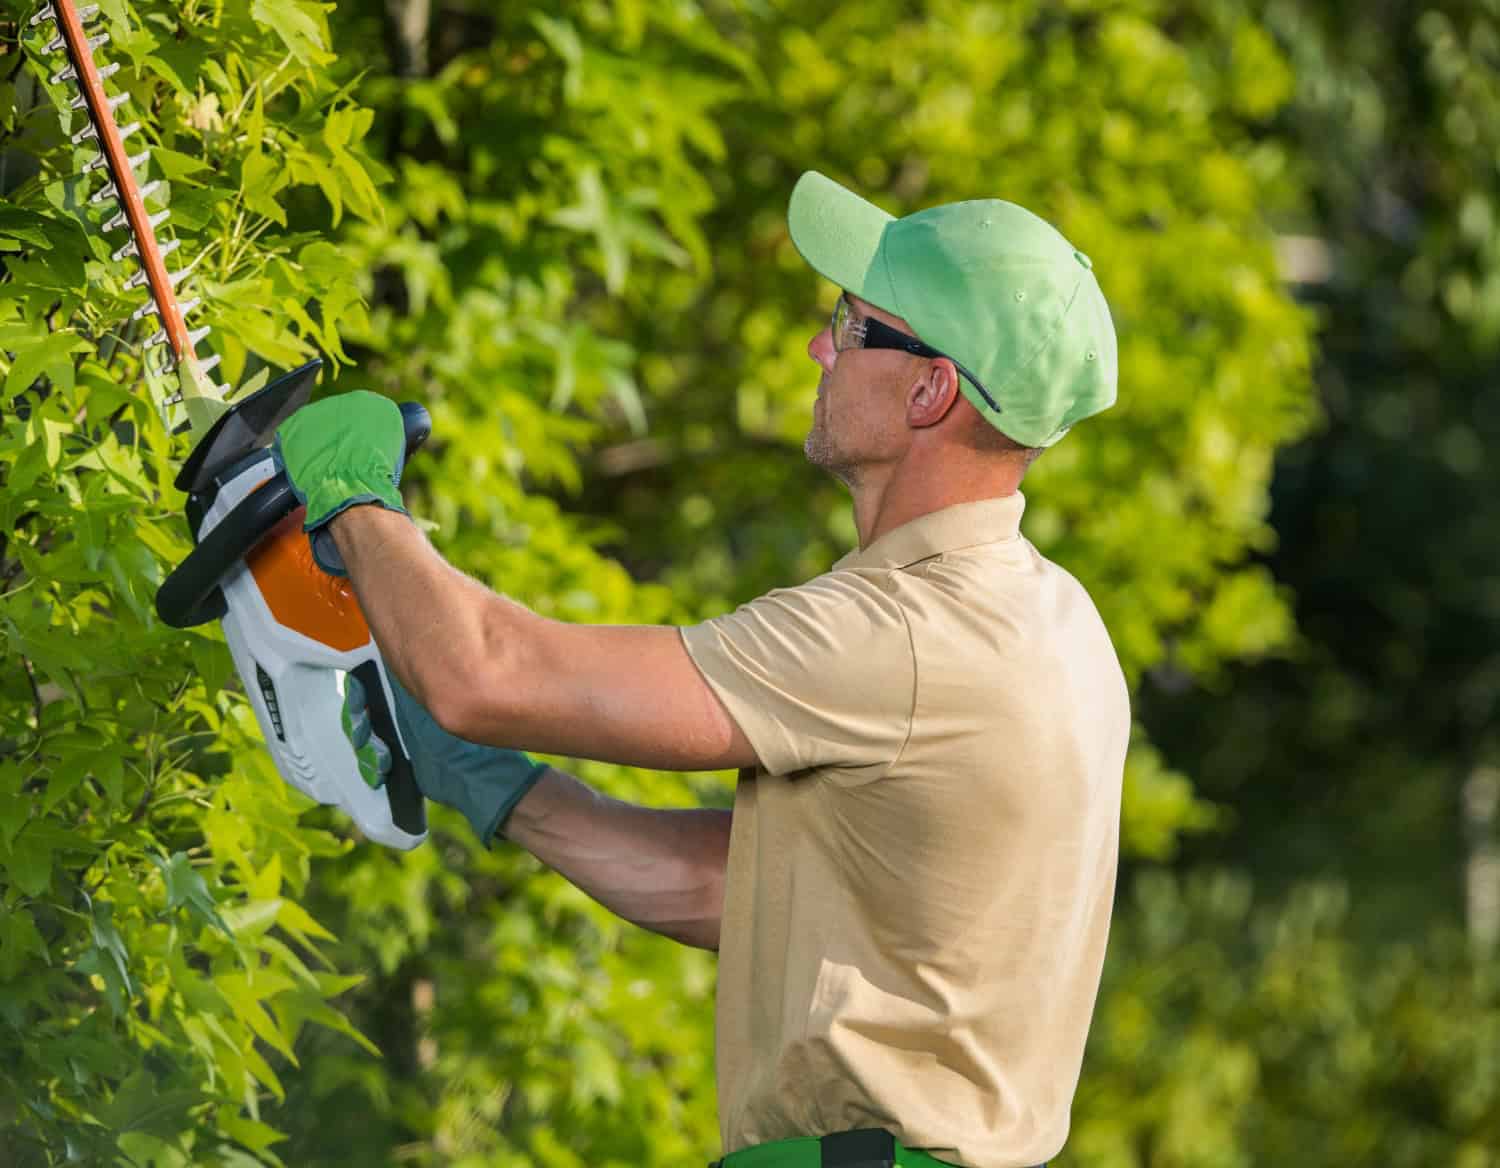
(858, 418)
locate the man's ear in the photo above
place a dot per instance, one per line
(932, 394)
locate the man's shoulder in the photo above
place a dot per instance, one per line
(842, 602)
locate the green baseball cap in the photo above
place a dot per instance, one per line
(988, 283)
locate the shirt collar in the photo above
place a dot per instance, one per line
(962, 525)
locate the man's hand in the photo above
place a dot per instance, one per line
(483, 782)
(340, 452)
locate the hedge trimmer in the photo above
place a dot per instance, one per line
(294, 631)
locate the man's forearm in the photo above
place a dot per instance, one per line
(492, 671)
(662, 870)
(426, 616)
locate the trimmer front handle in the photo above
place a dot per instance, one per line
(190, 595)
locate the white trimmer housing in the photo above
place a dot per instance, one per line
(296, 633)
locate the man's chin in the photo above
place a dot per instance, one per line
(821, 454)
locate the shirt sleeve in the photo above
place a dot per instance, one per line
(822, 675)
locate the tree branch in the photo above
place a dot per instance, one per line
(407, 22)
(36, 692)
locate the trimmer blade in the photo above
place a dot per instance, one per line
(203, 401)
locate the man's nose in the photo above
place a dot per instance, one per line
(821, 350)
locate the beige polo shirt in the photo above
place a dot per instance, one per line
(921, 869)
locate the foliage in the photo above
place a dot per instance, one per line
(157, 963)
(1385, 515)
(564, 232)
(1233, 1032)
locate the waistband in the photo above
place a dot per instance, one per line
(866, 1148)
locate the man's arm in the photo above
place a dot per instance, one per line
(491, 671)
(662, 870)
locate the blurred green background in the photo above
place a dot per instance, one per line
(562, 228)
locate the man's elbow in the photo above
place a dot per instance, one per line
(478, 694)
(442, 688)
(452, 709)
(472, 704)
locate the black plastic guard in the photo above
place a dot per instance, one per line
(248, 426)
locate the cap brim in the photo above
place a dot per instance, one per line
(838, 234)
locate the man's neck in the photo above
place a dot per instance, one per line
(886, 498)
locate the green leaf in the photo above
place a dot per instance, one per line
(234, 1158)
(157, 65)
(50, 354)
(249, 920)
(64, 780)
(255, 121)
(61, 269)
(266, 884)
(15, 809)
(57, 657)
(141, 1105)
(25, 227)
(109, 948)
(364, 200)
(186, 887)
(299, 922)
(28, 862)
(294, 23)
(244, 998)
(252, 1133)
(306, 1008)
(109, 770)
(19, 940)
(258, 1067)
(260, 179)
(177, 167)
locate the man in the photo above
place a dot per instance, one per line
(911, 896)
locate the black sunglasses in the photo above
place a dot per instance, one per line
(865, 332)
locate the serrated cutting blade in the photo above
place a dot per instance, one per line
(202, 400)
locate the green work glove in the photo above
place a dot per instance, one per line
(483, 782)
(339, 452)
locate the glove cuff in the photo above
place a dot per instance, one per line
(494, 829)
(324, 550)
(331, 499)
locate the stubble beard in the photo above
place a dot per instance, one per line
(821, 452)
